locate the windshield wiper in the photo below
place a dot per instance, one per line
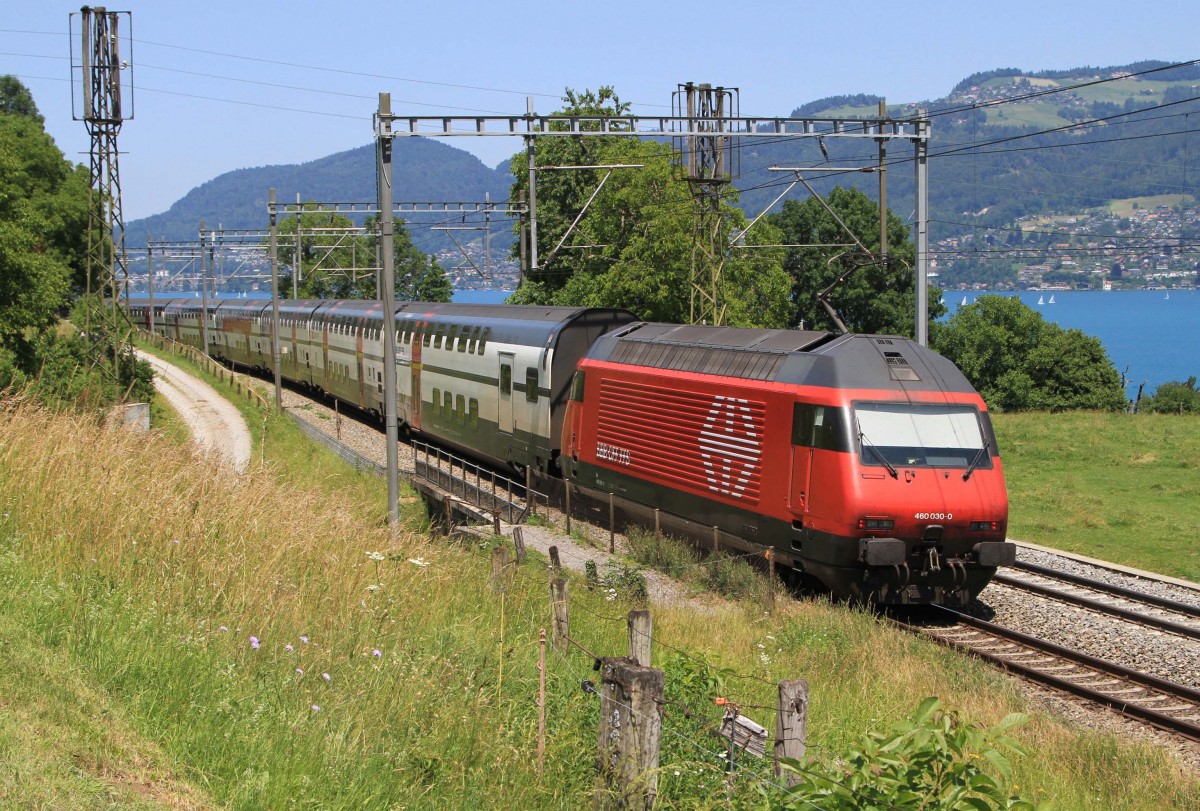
(878, 453)
(975, 462)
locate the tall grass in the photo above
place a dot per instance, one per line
(281, 648)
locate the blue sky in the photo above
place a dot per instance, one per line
(225, 85)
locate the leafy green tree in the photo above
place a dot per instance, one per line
(871, 299)
(43, 229)
(15, 99)
(1174, 398)
(331, 264)
(634, 246)
(342, 265)
(1019, 361)
(418, 275)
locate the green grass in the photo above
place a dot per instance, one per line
(1125, 206)
(140, 606)
(1113, 486)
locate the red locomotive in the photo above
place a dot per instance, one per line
(866, 462)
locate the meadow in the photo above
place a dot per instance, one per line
(176, 637)
(1118, 487)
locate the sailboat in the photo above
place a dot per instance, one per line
(1041, 301)
(1167, 296)
(964, 302)
(1051, 298)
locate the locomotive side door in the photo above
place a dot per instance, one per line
(800, 480)
(504, 417)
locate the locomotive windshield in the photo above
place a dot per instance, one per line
(920, 435)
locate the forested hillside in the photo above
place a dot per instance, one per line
(1005, 144)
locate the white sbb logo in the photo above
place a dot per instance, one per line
(730, 446)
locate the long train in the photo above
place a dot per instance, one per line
(867, 462)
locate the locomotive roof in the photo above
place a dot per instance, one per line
(783, 356)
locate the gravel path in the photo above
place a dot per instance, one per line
(217, 426)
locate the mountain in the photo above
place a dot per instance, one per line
(423, 170)
(1004, 144)
(988, 164)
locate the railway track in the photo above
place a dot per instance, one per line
(1146, 609)
(1158, 702)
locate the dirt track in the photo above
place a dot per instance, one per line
(218, 427)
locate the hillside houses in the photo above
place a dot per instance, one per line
(1150, 247)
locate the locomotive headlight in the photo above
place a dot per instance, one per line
(985, 526)
(870, 523)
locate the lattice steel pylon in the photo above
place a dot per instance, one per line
(709, 163)
(99, 67)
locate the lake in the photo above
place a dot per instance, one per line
(1149, 336)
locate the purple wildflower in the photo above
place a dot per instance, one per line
(254, 642)
(299, 672)
(304, 639)
(223, 628)
(377, 652)
(326, 677)
(288, 647)
(316, 708)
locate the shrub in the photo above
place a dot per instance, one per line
(935, 761)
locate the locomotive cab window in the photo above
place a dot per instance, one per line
(920, 435)
(819, 426)
(577, 383)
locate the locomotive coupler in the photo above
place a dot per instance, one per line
(934, 564)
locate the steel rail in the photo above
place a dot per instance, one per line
(1183, 727)
(1189, 631)
(1119, 591)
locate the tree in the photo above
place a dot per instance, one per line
(1174, 398)
(44, 204)
(15, 99)
(871, 299)
(1019, 361)
(335, 262)
(418, 275)
(634, 246)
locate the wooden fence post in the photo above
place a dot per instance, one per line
(567, 488)
(499, 567)
(612, 526)
(630, 729)
(640, 626)
(716, 547)
(771, 579)
(657, 525)
(555, 563)
(541, 750)
(561, 608)
(791, 725)
(518, 536)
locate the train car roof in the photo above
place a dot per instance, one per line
(783, 356)
(352, 308)
(532, 325)
(243, 306)
(301, 307)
